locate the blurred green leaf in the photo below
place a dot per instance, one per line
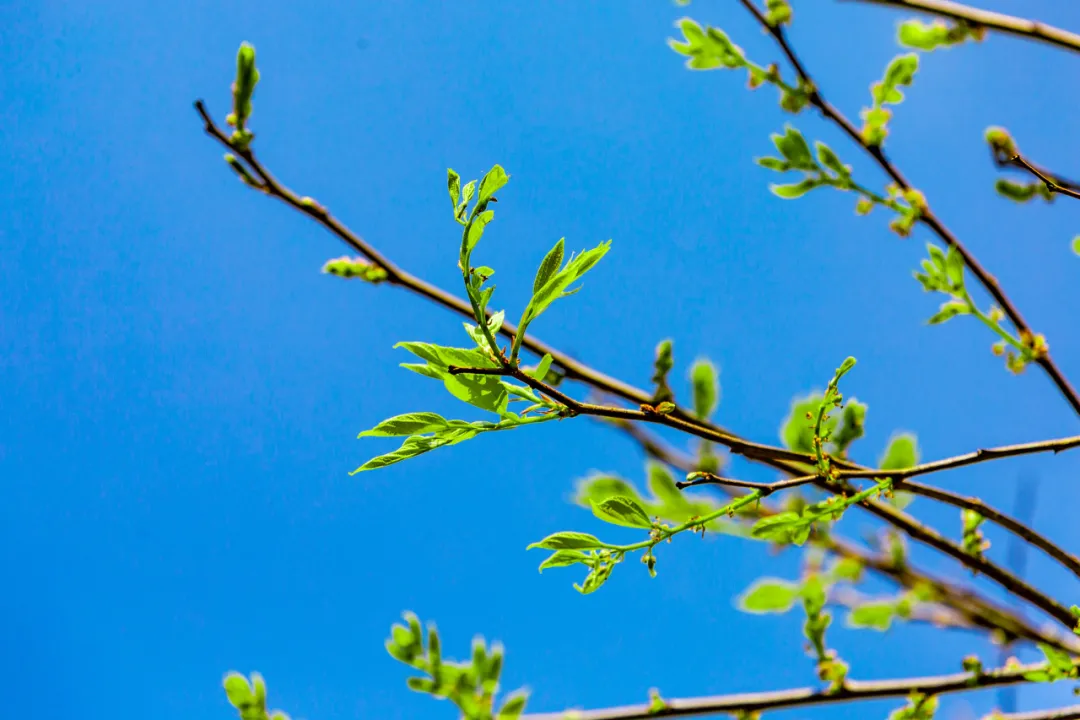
(769, 595)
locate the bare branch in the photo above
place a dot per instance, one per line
(852, 690)
(998, 22)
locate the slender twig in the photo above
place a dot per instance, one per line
(1003, 158)
(765, 488)
(998, 22)
(852, 690)
(1053, 184)
(1065, 713)
(1055, 446)
(927, 216)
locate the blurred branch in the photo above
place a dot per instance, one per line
(997, 22)
(851, 690)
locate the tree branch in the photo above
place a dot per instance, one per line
(927, 217)
(998, 22)
(852, 690)
(1052, 183)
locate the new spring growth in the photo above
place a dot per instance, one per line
(247, 76)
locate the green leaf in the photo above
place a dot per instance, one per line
(829, 159)
(475, 230)
(847, 569)
(541, 370)
(568, 541)
(557, 286)
(512, 706)
(876, 615)
(563, 558)
(948, 311)
(238, 690)
(597, 488)
(661, 367)
(954, 268)
(483, 391)
(453, 184)
(776, 527)
(550, 265)
(621, 510)
(901, 453)
(792, 145)
(706, 388)
(595, 579)
(790, 192)
(1076, 245)
(797, 432)
(416, 423)
(772, 163)
(418, 445)
(491, 183)
(769, 595)
(1059, 659)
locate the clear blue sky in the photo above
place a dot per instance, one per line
(181, 388)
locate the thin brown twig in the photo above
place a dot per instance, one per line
(927, 216)
(852, 690)
(998, 22)
(1052, 183)
(1064, 713)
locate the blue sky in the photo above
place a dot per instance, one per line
(181, 387)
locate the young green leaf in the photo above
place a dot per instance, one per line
(622, 510)
(416, 423)
(706, 388)
(568, 541)
(552, 262)
(790, 192)
(453, 184)
(792, 145)
(875, 615)
(418, 445)
(556, 287)
(563, 558)
(541, 370)
(901, 453)
(769, 595)
(491, 183)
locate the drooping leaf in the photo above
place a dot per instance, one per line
(418, 445)
(563, 558)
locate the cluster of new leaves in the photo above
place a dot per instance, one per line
(470, 685)
(899, 73)
(710, 48)
(489, 391)
(249, 698)
(928, 37)
(943, 272)
(823, 168)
